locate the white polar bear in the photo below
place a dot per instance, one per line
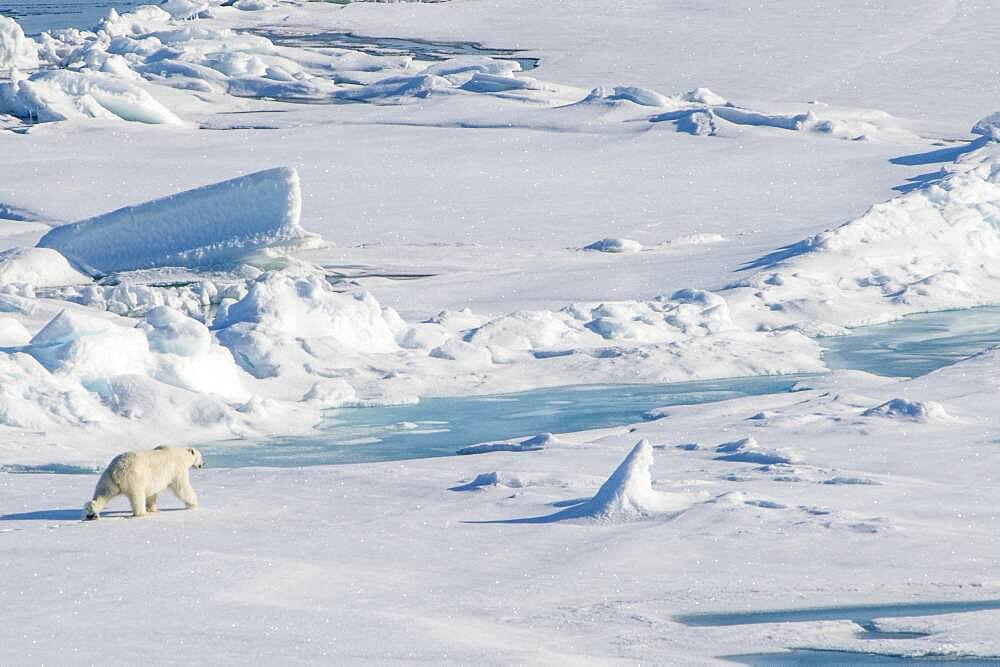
(139, 476)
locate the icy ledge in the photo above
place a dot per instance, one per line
(225, 223)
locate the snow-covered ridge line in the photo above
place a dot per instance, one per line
(934, 248)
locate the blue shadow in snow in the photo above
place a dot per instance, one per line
(45, 515)
(779, 255)
(920, 181)
(948, 154)
(578, 510)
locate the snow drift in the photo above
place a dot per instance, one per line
(221, 224)
(934, 248)
(628, 493)
(38, 267)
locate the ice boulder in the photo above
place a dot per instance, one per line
(615, 245)
(628, 493)
(705, 96)
(532, 444)
(306, 307)
(89, 348)
(186, 356)
(38, 267)
(641, 96)
(172, 332)
(396, 87)
(988, 127)
(748, 450)
(56, 95)
(290, 323)
(143, 20)
(16, 50)
(187, 9)
(254, 5)
(916, 411)
(226, 223)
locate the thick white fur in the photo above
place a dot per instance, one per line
(140, 476)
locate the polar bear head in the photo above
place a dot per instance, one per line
(196, 460)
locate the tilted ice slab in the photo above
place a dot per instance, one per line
(215, 225)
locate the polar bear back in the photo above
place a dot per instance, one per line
(155, 470)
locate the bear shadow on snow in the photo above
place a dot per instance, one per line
(71, 514)
(43, 515)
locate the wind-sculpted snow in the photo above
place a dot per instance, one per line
(931, 249)
(628, 494)
(915, 411)
(988, 127)
(219, 224)
(167, 346)
(38, 267)
(286, 322)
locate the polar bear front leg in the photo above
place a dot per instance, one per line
(105, 491)
(151, 503)
(92, 509)
(137, 499)
(182, 489)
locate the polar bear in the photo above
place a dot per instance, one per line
(139, 476)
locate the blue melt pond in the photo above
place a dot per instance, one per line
(439, 426)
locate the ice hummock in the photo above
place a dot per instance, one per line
(628, 493)
(221, 224)
(16, 50)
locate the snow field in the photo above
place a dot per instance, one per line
(460, 193)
